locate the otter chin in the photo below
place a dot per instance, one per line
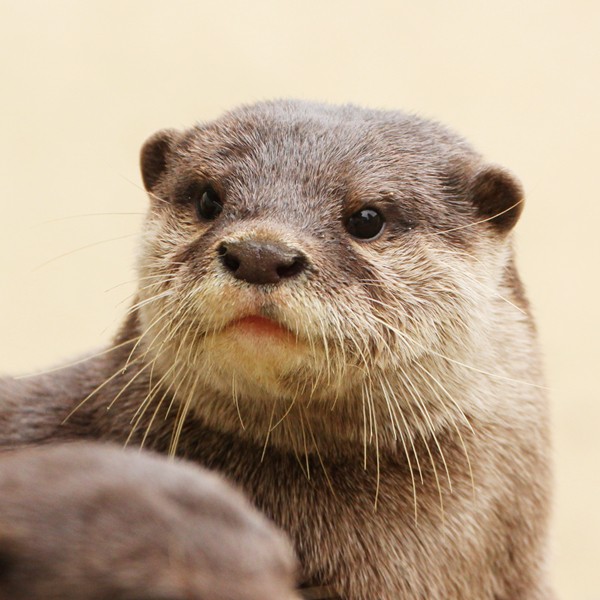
(256, 351)
(329, 315)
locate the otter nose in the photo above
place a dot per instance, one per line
(261, 262)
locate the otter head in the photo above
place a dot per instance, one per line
(308, 265)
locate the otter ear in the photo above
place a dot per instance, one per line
(498, 198)
(154, 156)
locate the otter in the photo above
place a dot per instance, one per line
(329, 315)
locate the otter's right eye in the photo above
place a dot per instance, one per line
(365, 224)
(208, 204)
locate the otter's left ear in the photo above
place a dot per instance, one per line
(154, 157)
(498, 198)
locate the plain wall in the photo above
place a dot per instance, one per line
(84, 83)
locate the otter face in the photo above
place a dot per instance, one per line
(298, 254)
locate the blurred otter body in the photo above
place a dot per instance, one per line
(89, 521)
(328, 313)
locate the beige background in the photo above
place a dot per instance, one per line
(83, 83)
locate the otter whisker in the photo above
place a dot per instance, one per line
(172, 333)
(165, 343)
(180, 419)
(182, 413)
(144, 405)
(456, 427)
(435, 474)
(185, 307)
(495, 375)
(159, 404)
(79, 361)
(147, 300)
(152, 194)
(329, 370)
(464, 273)
(269, 429)
(367, 398)
(234, 396)
(339, 332)
(387, 388)
(131, 380)
(364, 416)
(316, 447)
(475, 223)
(428, 450)
(168, 316)
(371, 407)
(415, 394)
(87, 215)
(393, 419)
(161, 277)
(412, 341)
(118, 372)
(406, 428)
(150, 363)
(175, 394)
(288, 410)
(301, 415)
(377, 462)
(92, 245)
(456, 405)
(158, 319)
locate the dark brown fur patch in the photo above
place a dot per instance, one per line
(498, 198)
(153, 159)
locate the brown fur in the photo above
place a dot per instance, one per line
(91, 522)
(400, 435)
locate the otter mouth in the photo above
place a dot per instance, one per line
(260, 327)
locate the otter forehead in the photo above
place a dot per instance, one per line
(290, 152)
(294, 137)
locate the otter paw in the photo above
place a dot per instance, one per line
(94, 522)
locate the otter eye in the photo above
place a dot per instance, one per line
(208, 204)
(365, 224)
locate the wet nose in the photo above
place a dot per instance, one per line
(261, 262)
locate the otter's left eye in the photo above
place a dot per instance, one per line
(209, 205)
(365, 224)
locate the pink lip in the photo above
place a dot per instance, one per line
(260, 326)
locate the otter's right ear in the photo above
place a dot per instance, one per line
(154, 156)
